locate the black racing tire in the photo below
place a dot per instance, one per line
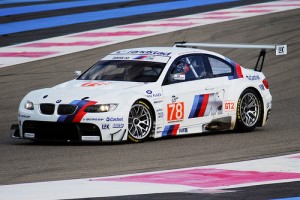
(140, 122)
(249, 110)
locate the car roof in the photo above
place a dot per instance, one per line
(161, 51)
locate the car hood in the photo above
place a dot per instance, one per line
(82, 89)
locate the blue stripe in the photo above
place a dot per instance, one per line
(19, 1)
(289, 198)
(194, 107)
(198, 101)
(54, 6)
(69, 118)
(165, 131)
(36, 24)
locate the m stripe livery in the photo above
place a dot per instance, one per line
(79, 113)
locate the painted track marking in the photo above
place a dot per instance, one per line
(206, 179)
(59, 45)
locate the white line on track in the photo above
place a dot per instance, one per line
(197, 179)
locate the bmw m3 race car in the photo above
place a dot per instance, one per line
(134, 94)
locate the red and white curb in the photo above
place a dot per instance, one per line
(207, 179)
(37, 50)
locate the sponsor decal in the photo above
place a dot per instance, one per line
(24, 116)
(58, 101)
(155, 53)
(118, 125)
(262, 87)
(179, 77)
(105, 126)
(154, 95)
(281, 49)
(174, 98)
(95, 84)
(120, 58)
(206, 105)
(160, 115)
(144, 57)
(170, 130)
(229, 106)
(183, 130)
(149, 91)
(114, 119)
(175, 111)
(253, 78)
(79, 113)
(92, 119)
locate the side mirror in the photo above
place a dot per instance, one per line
(77, 73)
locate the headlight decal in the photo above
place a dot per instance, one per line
(79, 113)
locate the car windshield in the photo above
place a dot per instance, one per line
(124, 70)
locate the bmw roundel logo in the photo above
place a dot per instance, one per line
(58, 101)
(149, 92)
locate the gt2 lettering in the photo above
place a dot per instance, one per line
(229, 106)
(175, 111)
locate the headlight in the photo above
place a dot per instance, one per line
(100, 108)
(29, 105)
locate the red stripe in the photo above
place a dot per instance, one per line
(239, 71)
(204, 105)
(219, 17)
(219, 13)
(179, 19)
(155, 25)
(60, 44)
(205, 177)
(81, 112)
(176, 127)
(257, 11)
(275, 5)
(242, 11)
(27, 54)
(119, 33)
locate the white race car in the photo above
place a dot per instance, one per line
(134, 94)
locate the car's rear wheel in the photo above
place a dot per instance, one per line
(140, 122)
(249, 110)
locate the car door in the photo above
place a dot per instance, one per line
(191, 96)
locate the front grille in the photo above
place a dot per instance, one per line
(55, 131)
(67, 109)
(47, 108)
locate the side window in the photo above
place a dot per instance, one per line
(186, 68)
(219, 67)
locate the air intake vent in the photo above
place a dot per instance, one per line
(67, 109)
(47, 108)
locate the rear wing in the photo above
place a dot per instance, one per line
(280, 49)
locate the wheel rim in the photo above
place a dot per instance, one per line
(249, 109)
(139, 122)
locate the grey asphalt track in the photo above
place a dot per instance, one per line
(25, 161)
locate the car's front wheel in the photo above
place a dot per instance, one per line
(249, 110)
(140, 122)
